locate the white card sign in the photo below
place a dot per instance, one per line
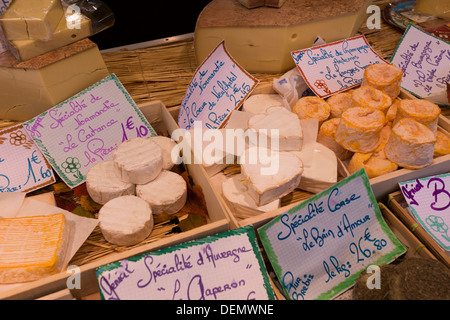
(219, 86)
(425, 61)
(85, 129)
(226, 266)
(429, 201)
(337, 66)
(319, 248)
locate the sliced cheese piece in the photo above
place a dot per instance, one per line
(360, 128)
(323, 172)
(138, 160)
(259, 103)
(169, 148)
(411, 144)
(36, 20)
(32, 247)
(327, 137)
(312, 107)
(369, 97)
(126, 220)
(103, 184)
(31, 87)
(442, 145)
(421, 110)
(165, 194)
(384, 77)
(242, 205)
(280, 127)
(339, 103)
(269, 174)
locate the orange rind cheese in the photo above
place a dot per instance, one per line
(327, 137)
(384, 77)
(312, 108)
(392, 111)
(32, 247)
(442, 145)
(411, 144)
(367, 96)
(339, 103)
(360, 128)
(421, 110)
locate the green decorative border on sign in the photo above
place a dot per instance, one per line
(389, 257)
(418, 218)
(211, 239)
(111, 77)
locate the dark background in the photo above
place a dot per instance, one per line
(144, 20)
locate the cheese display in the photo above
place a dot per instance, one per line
(369, 97)
(411, 144)
(421, 110)
(384, 77)
(259, 103)
(126, 220)
(138, 160)
(338, 103)
(269, 174)
(31, 87)
(241, 203)
(165, 194)
(35, 20)
(360, 128)
(32, 247)
(442, 145)
(169, 148)
(103, 184)
(262, 39)
(327, 137)
(312, 107)
(280, 125)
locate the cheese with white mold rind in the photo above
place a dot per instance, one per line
(421, 110)
(384, 77)
(168, 147)
(259, 103)
(35, 20)
(262, 39)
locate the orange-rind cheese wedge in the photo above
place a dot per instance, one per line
(421, 110)
(327, 137)
(32, 247)
(411, 144)
(339, 103)
(312, 108)
(367, 96)
(384, 77)
(360, 128)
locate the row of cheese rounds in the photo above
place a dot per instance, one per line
(133, 186)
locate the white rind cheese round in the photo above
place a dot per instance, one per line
(259, 103)
(126, 220)
(103, 185)
(165, 194)
(138, 160)
(168, 147)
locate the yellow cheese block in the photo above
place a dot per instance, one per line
(36, 19)
(32, 247)
(31, 87)
(440, 8)
(27, 49)
(262, 39)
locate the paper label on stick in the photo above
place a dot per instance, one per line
(429, 201)
(337, 66)
(219, 86)
(319, 248)
(227, 266)
(23, 168)
(85, 129)
(424, 59)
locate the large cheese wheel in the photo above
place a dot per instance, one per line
(327, 137)
(360, 128)
(367, 96)
(421, 110)
(384, 77)
(311, 107)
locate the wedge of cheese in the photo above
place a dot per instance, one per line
(103, 184)
(411, 144)
(312, 107)
(126, 220)
(421, 110)
(165, 194)
(327, 137)
(259, 103)
(32, 247)
(279, 128)
(338, 103)
(384, 77)
(369, 97)
(138, 160)
(360, 128)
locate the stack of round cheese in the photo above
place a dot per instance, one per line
(384, 77)
(421, 110)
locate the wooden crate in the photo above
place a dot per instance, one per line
(56, 286)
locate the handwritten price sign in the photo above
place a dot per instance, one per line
(429, 201)
(227, 266)
(22, 166)
(86, 128)
(218, 87)
(337, 66)
(319, 248)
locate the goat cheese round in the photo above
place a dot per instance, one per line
(168, 147)
(259, 103)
